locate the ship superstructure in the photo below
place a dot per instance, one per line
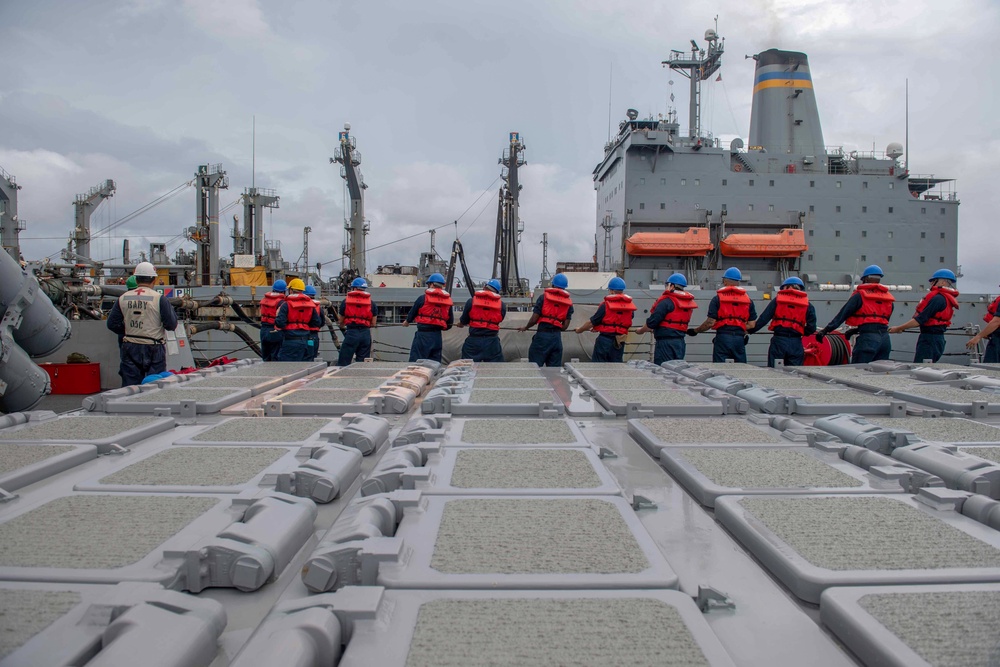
(673, 200)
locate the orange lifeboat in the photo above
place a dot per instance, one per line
(786, 243)
(692, 243)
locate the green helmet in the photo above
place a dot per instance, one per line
(131, 283)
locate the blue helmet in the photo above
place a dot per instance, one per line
(310, 290)
(560, 280)
(873, 270)
(793, 280)
(494, 285)
(359, 283)
(677, 279)
(944, 273)
(732, 273)
(435, 278)
(279, 286)
(616, 283)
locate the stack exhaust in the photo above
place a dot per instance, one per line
(784, 119)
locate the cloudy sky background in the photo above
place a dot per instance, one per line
(143, 91)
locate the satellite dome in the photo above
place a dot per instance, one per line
(711, 35)
(894, 150)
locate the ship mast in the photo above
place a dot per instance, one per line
(349, 159)
(698, 67)
(509, 225)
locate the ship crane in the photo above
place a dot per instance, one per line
(85, 204)
(509, 225)
(349, 159)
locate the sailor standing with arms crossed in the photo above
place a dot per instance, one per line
(142, 316)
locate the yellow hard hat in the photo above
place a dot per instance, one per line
(296, 284)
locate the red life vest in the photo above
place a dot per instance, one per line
(319, 314)
(876, 305)
(943, 317)
(991, 310)
(555, 307)
(269, 307)
(790, 306)
(618, 313)
(485, 312)
(437, 305)
(358, 308)
(680, 317)
(734, 308)
(300, 312)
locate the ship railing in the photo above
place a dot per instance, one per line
(9, 177)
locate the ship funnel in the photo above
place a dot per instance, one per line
(784, 118)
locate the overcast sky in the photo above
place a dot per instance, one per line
(143, 91)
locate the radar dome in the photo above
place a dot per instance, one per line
(711, 35)
(894, 150)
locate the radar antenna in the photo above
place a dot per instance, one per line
(701, 64)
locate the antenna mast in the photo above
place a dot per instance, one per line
(509, 225)
(349, 159)
(546, 276)
(698, 67)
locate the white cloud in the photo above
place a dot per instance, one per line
(232, 21)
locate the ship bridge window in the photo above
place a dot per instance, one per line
(684, 181)
(836, 258)
(771, 183)
(751, 182)
(864, 185)
(864, 258)
(942, 211)
(749, 207)
(892, 185)
(923, 209)
(840, 184)
(642, 206)
(811, 232)
(942, 235)
(922, 259)
(864, 209)
(812, 184)
(890, 258)
(923, 235)
(838, 209)
(725, 182)
(890, 235)
(810, 258)
(697, 181)
(724, 208)
(941, 259)
(812, 208)
(770, 207)
(864, 233)
(890, 209)
(663, 206)
(837, 233)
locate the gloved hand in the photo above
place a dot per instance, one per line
(746, 339)
(692, 332)
(850, 333)
(820, 335)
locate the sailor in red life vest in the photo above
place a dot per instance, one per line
(314, 330)
(483, 314)
(552, 311)
(433, 313)
(991, 331)
(669, 319)
(869, 310)
(357, 315)
(791, 317)
(612, 320)
(729, 314)
(270, 340)
(933, 316)
(296, 316)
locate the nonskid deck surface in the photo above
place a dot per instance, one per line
(469, 531)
